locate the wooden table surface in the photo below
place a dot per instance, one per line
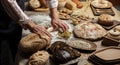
(83, 58)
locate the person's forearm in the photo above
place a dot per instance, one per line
(14, 11)
(52, 4)
(54, 13)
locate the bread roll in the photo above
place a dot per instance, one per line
(61, 4)
(78, 3)
(34, 4)
(70, 5)
(39, 58)
(105, 19)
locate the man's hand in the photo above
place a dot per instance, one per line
(57, 23)
(38, 29)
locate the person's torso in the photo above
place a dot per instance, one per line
(5, 20)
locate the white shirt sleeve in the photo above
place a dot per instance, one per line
(52, 3)
(14, 11)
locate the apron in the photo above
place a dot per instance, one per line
(10, 31)
(8, 27)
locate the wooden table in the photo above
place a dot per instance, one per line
(83, 58)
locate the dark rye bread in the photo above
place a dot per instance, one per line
(63, 53)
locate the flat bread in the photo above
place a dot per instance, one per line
(101, 4)
(82, 44)
(88, 30)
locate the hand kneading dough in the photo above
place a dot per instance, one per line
(88, 30)
(39, 58)
(33, 42)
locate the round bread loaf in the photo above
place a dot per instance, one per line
(101, 4)
(63, 53)
(33, 42)
(105, 19)
(39, 58)
(90, 31)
